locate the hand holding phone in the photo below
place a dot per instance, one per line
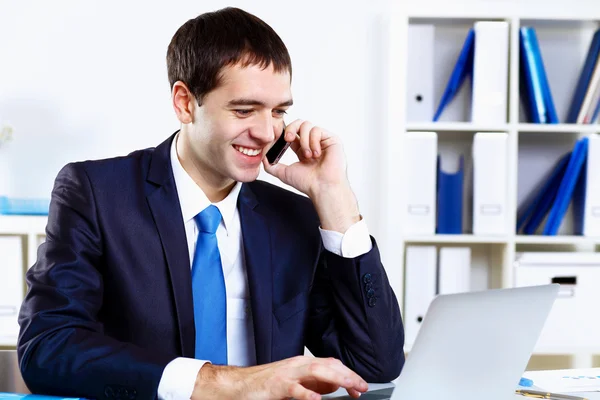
(320, 173)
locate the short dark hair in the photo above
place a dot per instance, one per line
(203, 46)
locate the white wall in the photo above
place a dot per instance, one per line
(87, 79)
(508, 7)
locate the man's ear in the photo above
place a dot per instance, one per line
(183, 102)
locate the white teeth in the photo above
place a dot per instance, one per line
(246, 151)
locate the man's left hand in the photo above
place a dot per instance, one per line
(320, 173)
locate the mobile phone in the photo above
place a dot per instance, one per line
(277, 150)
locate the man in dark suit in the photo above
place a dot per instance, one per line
(173, 273)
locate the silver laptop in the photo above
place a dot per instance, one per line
(473, 346)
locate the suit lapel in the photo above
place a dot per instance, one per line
(164, 205)
(257, 250)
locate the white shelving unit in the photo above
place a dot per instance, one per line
(564, 43)
(31, 230)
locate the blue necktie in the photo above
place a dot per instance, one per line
(208, 285)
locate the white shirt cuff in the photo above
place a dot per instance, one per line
(178, 379)
(355, 242)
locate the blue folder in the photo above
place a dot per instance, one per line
(533, 212)
(17, 206)
(567, 186)
(579, 199)
(450, 199)
(547, 93)
(584, 80)
(535, 88)
(530, 81)
(17, 396)
(462, 69)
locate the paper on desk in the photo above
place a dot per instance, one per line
(566, 380)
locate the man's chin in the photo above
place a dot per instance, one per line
(247, 176)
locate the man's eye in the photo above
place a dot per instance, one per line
(280, 112)
(243, 112)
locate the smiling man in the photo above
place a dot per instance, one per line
(173, 273)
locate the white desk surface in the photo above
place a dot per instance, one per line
(377, 386)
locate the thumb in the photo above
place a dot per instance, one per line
(278, 170)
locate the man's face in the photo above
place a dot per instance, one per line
(238, 122)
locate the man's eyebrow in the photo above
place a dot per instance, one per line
(252, 102)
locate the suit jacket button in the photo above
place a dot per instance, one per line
(367, 278)
(370, 293)
(372, 302)
(368, 286)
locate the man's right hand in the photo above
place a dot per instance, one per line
(303, 378)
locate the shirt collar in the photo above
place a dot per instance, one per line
(192, 199)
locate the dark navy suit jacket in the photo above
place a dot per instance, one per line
(109, 303)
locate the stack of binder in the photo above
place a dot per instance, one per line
(430, 272)
(585, 105)
(435, 197)
(484, 59)
(573, 180)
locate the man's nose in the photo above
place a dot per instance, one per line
(265, 131)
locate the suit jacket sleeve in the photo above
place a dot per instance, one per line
(62, 349)
(354, 316)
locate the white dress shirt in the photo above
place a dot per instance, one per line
(179, 376)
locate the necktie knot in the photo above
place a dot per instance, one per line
(208, 219)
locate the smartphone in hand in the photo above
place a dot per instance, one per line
(277, 150)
